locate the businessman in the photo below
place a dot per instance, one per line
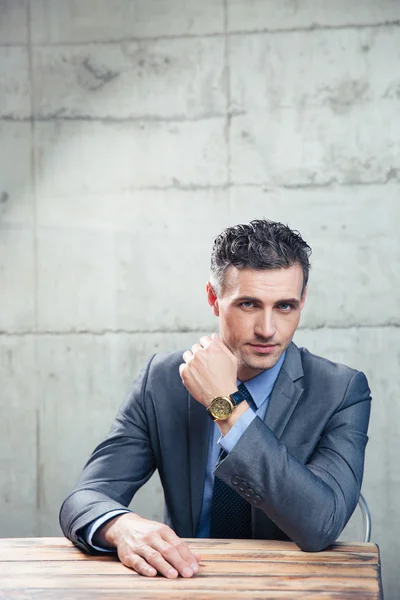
(252, 436)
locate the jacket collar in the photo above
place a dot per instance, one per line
(287, 391)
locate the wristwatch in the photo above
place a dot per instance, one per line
(222, 407)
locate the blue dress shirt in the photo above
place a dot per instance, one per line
(260, 388)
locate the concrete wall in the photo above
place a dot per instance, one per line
(131, 132)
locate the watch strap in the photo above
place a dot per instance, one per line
(237, 397)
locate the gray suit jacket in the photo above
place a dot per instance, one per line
(301, 469)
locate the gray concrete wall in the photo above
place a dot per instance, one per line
(131, 132)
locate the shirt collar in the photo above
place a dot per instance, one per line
(260, 386)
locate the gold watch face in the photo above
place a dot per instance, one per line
(221, 408)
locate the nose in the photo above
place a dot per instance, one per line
(265, 326)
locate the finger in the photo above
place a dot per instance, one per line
(205, 341)
(181, 369)
(154, 558)
(217, 340)
(221, 344)
(138, 564)
(187, 356)
(196, 348)
(173, 557)
(189, 557)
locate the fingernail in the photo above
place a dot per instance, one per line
(187, 572)
(151, 571)
(172, 573)
(195, 567)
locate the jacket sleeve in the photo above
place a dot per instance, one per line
(311, 502)
(118, 467)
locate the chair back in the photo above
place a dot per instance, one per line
(366, 518)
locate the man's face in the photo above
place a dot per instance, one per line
(258, 312)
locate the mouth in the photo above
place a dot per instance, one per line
(263, 348)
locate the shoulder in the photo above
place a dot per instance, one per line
(332, 383)
(317, 365)
(163, 368)
(330, 375)
(167, 360)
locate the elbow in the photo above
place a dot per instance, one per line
(63, 520)
(317, 540)
(324, 532)
(314, 545)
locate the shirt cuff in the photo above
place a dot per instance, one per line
(91, 529)
(228, 441)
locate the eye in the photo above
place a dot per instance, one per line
(285, 306)
(247, 304)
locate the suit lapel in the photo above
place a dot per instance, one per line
(284, 398)
(199, 432)
(286, 393)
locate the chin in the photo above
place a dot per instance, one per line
(269, 362)
(262, 361)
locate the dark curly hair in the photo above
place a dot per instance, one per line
(260, 244)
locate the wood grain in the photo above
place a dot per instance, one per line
(48, 568)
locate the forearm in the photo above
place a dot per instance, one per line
(82, 507)
(305, 502)
(108, 535)
(91, 532)
(118, 467)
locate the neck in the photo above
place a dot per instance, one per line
(245, 373)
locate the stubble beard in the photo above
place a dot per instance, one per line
(260, 364)
(257, 364)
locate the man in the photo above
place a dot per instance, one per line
(280, 457)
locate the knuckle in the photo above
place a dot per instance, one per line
(169, 550)
(153, 555)
(182, 548)
(167, 533)
(140, 547)
(141, 567)
(135, 561)
(177, 543)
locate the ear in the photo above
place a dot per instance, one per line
(212, 298)
(303, 297)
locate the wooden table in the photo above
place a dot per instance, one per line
(47, 568)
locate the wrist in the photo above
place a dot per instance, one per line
(225, 426)
(222, 407)
(222, 393)
(112, 531)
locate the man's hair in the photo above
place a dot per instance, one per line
(260, 244)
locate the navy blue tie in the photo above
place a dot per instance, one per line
(230, 513)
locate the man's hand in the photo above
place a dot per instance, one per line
(147, 547)
(209, 370)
